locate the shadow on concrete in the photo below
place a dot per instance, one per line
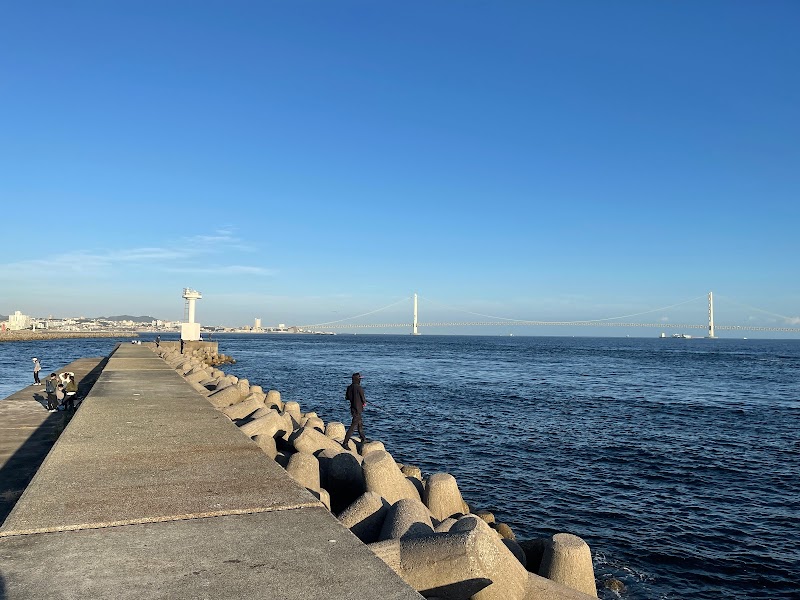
(87, 381)
(41, 399)
(17, 472)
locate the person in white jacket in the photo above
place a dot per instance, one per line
(36, 368)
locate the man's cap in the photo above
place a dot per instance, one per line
(356, 375)
(34, 359)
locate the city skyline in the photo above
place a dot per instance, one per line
(306, 163)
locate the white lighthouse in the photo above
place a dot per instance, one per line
(190, 331)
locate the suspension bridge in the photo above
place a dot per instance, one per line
(415, 325)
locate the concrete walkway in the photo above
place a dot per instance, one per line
(151, 493)
(28, 431)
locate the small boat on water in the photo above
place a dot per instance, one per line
(682, 336)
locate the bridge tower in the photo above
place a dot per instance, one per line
(711, 315)
(414, 330)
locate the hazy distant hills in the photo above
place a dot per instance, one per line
(143, 319)
(128, 318)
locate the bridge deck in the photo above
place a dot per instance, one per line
(150, 492)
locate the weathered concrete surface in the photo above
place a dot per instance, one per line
(197, 509)
(287, 555)
(28, 431)
(143, 447)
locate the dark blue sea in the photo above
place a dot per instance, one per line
(677, 460)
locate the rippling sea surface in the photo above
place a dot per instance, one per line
(677, 460)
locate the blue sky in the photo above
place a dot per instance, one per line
(303, 162)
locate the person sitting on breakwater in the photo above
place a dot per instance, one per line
(60, 395)
(158, 341)
(355, 394)
(71, 390)
(50, 389)
(64, 377)
(36, 368)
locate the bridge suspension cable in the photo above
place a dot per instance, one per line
(761, 310)
(582, 322)
(561, 324)
(372, 312)
(505, 321)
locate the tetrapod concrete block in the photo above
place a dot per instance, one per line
(226, 397)
(567, 560)
(270, 424)
(274, 399)
(407, 518)
(344, 479)
(267, 445)
(315, 423)
(292, 408)
(310, 440)
(336, 431)
(304, 469)
(383, 476)
(442, 496)
(411, 471)
(468, 563)
(365, 516)
(371, 446)
(244, 408)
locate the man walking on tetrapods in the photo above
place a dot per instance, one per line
(355, 394)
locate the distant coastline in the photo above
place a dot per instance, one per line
(27, 335)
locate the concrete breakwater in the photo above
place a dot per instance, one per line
(150, 492)
(28, 335)
(419, 526)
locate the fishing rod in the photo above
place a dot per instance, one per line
(378, 406)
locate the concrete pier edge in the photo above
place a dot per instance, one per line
(150, 492)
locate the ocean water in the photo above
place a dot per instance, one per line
(678, 461)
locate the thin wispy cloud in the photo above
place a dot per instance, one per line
(222, 270)
(182, 257)
(219, 237)
(148, 254)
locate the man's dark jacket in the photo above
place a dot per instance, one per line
(355, 394)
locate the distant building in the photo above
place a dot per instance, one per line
(18, 321)
(257, 325)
